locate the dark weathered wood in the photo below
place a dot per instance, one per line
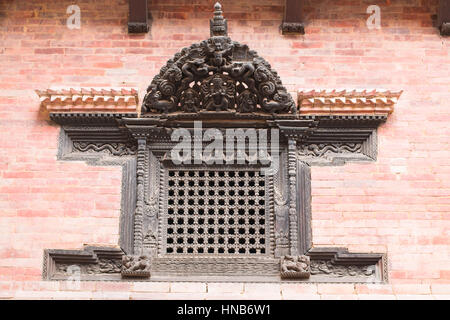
(137, 19)
(304, 207)
(293, 18)
(444, 17)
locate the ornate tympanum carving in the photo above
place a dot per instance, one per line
(221, 72)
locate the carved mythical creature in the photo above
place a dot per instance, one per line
(193, 68)
(153, 101)
(295, 267)
(262, 72)
(246, 101)
(218, 93)
(295, 264)
(243, 73)
(282, 102)
(189, 100)
(218, 49)
(135, 266)
(173, 74)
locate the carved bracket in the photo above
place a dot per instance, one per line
(444, 17)
(138, 16)
(293, 18)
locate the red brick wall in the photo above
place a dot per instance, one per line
(399, 204)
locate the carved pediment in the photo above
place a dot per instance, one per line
(217, 75)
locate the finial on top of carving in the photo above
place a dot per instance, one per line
(218, 25)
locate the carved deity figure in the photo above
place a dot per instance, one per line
(246, 102)
(189, 101)
(218, 49)
(218, 93)
(156, 102)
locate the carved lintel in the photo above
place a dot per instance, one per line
(293, 18)
(295, 267)
(135, 267)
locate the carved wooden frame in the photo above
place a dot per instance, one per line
(327, 264)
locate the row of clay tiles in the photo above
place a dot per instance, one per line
(323, 102)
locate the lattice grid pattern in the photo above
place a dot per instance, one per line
(216, 212)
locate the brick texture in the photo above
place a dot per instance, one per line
(399, 204)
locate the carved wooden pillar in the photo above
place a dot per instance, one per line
(138, 16)
(154, 177)
(293, 18)
(304, 206)
(293, 218)
(281, 204)
(444, 17)
(140, 195)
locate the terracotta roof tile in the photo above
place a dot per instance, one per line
(330, 102)
(89, 100)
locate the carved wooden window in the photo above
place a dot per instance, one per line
(216, 211)
(217, 222)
